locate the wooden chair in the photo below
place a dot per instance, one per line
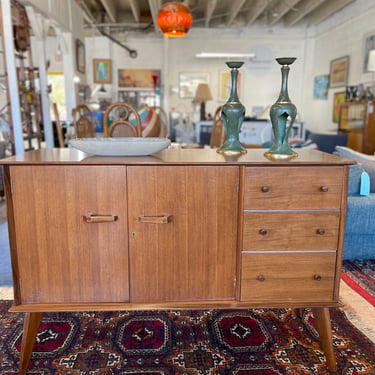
(163, 118)
(218, 130)
(59, 132)
(83, 122)
(125, 121)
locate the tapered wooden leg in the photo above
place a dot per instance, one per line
(30, 329)
(323, 322)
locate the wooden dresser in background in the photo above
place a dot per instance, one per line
(180, 229)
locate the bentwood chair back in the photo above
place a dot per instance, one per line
(163, 119)
(122, 120)
(60, 136)
(83, 122)
(218, 130)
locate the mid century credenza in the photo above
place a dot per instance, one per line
(178, 229)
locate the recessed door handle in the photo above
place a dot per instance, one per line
(92, 218)
(162, 219)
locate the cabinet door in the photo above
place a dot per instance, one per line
(61, 257)
(191, 254)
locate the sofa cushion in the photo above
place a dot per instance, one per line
(354, 180)
(360, 214)
(367, 162)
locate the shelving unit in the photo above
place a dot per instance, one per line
(358, 120)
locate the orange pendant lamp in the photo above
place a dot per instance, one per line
(174, 19)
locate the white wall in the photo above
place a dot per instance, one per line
(342, 35)
(173, 56)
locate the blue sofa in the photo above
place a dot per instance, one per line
(359, 240)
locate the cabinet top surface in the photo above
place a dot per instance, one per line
(172, 157)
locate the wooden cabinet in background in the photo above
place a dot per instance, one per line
(358, 120)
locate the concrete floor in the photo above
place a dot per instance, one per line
(5, 264)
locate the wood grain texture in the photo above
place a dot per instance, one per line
(288, 276)
(61, 258)
(293, 188)
(293, 230)
(193, 257)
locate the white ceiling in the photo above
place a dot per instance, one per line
(140, 15)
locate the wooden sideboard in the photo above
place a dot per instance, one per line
(179, 229)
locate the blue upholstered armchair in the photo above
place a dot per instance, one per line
(360, 216)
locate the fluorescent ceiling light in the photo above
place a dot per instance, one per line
(209, 55)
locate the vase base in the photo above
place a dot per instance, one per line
(272, 156)
(231, 152)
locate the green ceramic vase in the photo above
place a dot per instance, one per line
(279, 113)
(233, 114)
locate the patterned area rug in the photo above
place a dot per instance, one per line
(207, 342)
(360, 276)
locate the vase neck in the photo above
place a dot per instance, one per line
(233, 92)
(284, 96)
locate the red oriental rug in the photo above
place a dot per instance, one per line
(360, 276)
(205, 342)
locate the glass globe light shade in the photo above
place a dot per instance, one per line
(174, 19)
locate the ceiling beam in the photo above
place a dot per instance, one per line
(134, 5)
(110, 9)
(303, 8)
(327, 9)
(211, 5)
(281, 9)
(256, 10)
(234, 10)
(155, 5)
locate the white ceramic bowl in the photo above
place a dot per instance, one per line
(120, 146)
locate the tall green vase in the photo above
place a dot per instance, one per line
(233, 114)
(279, 113)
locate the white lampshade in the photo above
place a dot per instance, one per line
(371, 61)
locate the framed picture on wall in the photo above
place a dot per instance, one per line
(338, 100)
(225, 84)
(338, 73)
(321, 87)
(102, 71)
(369, 45)
(189, 81)
(139, 78)
(80, 56)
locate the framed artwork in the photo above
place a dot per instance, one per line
(188, 83)
(321, 84)
(102, 71)
(139, 78)
(225, 84)
(80, 56)
(338, 73)
(338, 100)
(369, 45)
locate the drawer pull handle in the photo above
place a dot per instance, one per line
(265, 189)
(263, 232)
(261, 278)
(91, 218)
(317, 277)
(324, 188)
(163, 219)
(321, 231)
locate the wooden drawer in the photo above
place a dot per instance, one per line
(294, 277)
(293, 230)
(293, 187)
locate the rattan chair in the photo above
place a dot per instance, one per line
(122, 120)
(163, 118)
(59, 132)
(83, 122)
(218, 131)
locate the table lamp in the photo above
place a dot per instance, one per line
(202, 94)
